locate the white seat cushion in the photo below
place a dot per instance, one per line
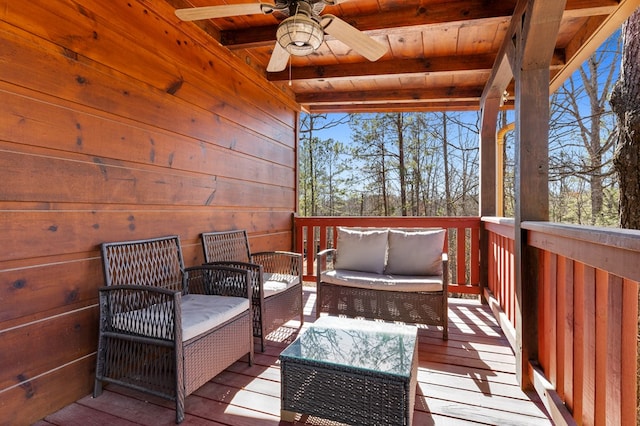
(387, 282)
(275, 283)
(200, 313)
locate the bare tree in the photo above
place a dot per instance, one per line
(445, 158)
(399, 127)
(582, 129)
(625, 101)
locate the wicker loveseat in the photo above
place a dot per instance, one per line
(276, 278)
(166, 329)
(389, 274)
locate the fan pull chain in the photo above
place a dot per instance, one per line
(289, 71)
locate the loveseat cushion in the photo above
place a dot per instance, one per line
(362, 250)
(275, 283)
(387, 282)
(200, 313)
(415, 252)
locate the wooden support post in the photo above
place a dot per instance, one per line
(534, 44)
(532, 203)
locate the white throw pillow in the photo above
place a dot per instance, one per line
(361, 250)
(415, 252)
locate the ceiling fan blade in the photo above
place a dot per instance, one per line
(223, 11)
(334, 2)
(279, 59)
(353, 37)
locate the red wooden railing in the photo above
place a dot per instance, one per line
(587, 302)
(587, 313)
(500, 265)
(462, 244)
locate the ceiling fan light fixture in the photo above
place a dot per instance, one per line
(300, 35)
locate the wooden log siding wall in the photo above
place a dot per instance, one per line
(117, 124)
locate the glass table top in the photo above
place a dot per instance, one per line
(368, 345)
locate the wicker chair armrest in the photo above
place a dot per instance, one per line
(254, 268)
(221, 280)
(136, 310)
(445, 270)
(279, 262)
(321, 261)
(255, 273)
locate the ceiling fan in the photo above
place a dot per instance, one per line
(301, 33)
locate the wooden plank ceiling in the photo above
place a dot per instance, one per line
(440, 52)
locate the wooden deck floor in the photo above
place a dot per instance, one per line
(468, 380)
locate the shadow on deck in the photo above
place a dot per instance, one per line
(467, 380)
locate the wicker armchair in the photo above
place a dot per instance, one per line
(166, 329)
(276, 278)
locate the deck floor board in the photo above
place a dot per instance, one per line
(468, 380)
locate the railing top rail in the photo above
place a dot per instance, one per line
(627, 239)
(498, 220)
(399, 221)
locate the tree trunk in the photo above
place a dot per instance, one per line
(445, 158)
(625, 102)
(399, 123)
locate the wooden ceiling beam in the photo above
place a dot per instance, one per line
(502, 72)
(394, 107)
(448, 64)
(440, 95)
(406, 67)
(586, 8)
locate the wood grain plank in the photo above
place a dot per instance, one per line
(79, 415)
(569, 334)
(474, 264)
(613, 373)
(61, 128)
(629, 354)
(589, 349)
(461, 257)
(106, 90)
(113, 407)
(576, 403)
(560, 326)
(601, 339)
(97, 27)
(42, 395)
(30, 293)
(76, 231)
(511, 280)
(63, 338)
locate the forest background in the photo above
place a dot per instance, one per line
(427, 164)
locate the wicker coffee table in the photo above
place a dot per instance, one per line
(352, 371)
